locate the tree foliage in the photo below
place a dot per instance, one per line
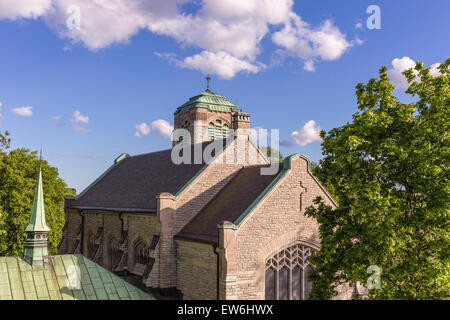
(388, 170)
(18, 178)
(274, 155)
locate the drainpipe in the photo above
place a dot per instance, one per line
(218, 271)
(80, 212)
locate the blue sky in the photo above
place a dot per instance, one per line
(131, 63)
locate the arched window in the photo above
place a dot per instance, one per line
(141, 254)
(286, 276)
(186, 127)
(92, 246)
(211, 131)
(218, 134)
(225, 130)
(114, 253)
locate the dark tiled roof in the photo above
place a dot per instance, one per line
(133, 184)
(228, 205)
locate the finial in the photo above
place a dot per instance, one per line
(40, 159)
(208, 78)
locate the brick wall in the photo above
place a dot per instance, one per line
(276, 223)
(196, 270)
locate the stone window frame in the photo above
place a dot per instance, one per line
(290, 258)
(141, 254)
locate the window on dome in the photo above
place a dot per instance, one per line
(218, 134)
(211, 131)
(225, 130)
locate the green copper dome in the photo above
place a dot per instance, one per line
(208, 100)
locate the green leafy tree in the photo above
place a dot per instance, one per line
(388, 169)
(18, 177)
(274, 155)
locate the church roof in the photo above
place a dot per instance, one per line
(227, 205)
(58, 281)
(132, 183)
(208, 100)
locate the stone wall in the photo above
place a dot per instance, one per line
(196, 270)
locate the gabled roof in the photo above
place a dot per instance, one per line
(227, 205)
(58, 281)
(133, 183)
(208, 100)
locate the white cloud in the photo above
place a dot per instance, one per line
(220, 63)
(142, 130)
(395, 74)
(77, 117)
(163, 128)
(308, 65)
(80, 128)
(310, 132)
(401, 64)
(228, 33)
(358, 25)
(23, 111)
(298, 39)
(434, 69)
(56, 118)
(17, 9)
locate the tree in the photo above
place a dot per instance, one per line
(388, 169)
(18, 177)
(274, 155)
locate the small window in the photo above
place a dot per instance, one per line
(225, 130)
(218, 134)
(211, 131)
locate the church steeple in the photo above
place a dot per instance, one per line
(36, 251)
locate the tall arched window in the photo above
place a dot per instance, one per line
(185, 127)
(141, 255)
(114, 253)
(218, 134)
(286, 276)
(225, 130)
(211, 131)
(92, 246)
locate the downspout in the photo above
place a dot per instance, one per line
(80, 212)
(218, 271)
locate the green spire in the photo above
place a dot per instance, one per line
(36, 250)
(37, 221)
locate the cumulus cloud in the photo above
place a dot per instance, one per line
(23, 111)
(220, 63)
(401, 64)
(395, 74)
(228, 33)
(23, 9)
(142, 130)
(298, 39)
(77, 117)
(310, 132)
(163, 128)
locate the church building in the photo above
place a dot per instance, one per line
(208, 229)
